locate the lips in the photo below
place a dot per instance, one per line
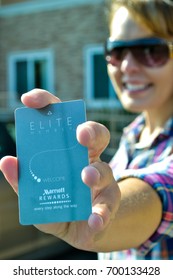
(135, 87)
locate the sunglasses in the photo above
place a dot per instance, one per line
(150, 52)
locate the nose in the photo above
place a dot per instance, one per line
(129, 63)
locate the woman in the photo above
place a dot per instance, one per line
(132, 200)
(139, 53)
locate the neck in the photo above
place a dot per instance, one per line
(156, 120)
(154, 123)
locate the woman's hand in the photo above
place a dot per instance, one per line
(98, 176)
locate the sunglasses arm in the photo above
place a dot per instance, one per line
(171, 49)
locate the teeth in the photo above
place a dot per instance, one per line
(135, 87)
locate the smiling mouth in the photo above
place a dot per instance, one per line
(136, 87)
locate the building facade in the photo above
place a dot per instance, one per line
(55, 45)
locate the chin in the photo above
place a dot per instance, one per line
(134, 105)
(133, 108)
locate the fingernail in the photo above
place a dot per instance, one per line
(95, 222)
(92, 173)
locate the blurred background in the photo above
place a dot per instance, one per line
(57, 45)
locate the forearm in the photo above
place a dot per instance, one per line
(136, 220)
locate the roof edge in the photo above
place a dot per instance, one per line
(42, 6)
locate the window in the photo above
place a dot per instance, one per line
(98, 89)
(29, 70)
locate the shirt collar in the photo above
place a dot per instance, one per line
(133, 131)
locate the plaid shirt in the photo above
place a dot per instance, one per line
(153, 164)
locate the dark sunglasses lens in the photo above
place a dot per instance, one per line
(152, 56)
(114, 56)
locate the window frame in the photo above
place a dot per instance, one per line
(30, 57)
(92, 102)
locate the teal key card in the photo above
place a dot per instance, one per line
(50, 164)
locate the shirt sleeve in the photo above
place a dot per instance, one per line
(160, 176)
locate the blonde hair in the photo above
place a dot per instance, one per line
(156, 15)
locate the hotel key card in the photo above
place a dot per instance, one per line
(50, 164)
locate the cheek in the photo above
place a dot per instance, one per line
(163, 79)
(115, 76)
